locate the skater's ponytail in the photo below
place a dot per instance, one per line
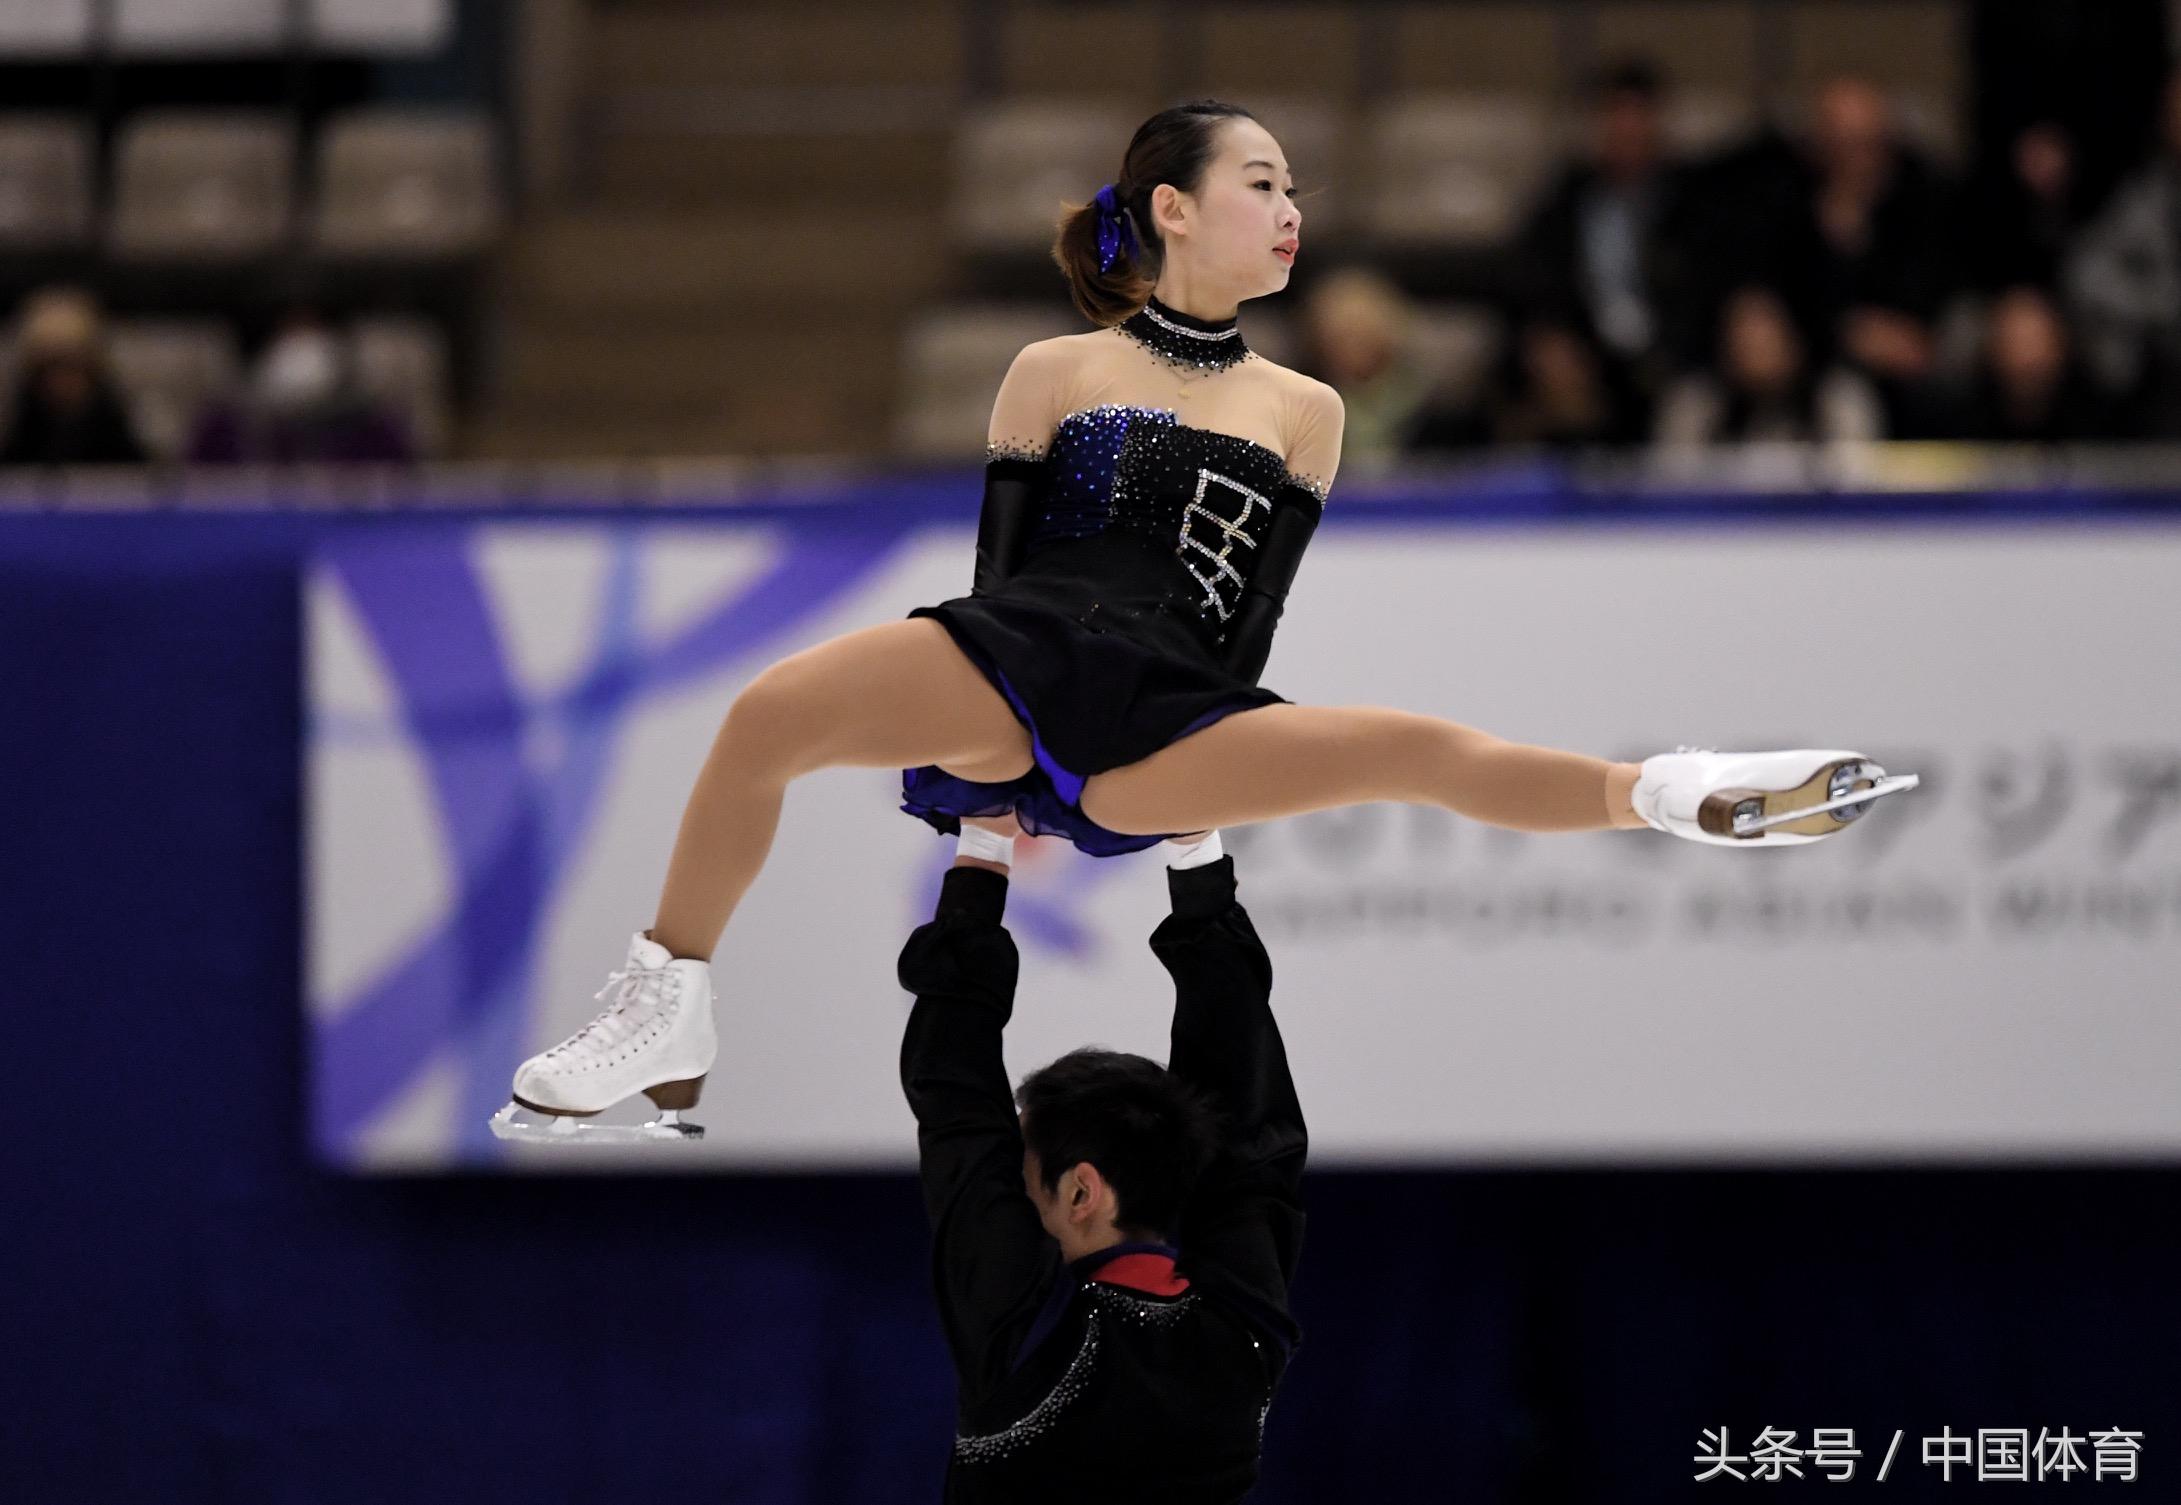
(1108, 248)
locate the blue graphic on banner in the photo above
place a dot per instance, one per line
(509, 823)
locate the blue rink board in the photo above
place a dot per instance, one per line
(199, 1314)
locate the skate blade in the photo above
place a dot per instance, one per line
(557, 1129)
(1830, 815)
(1838, 793)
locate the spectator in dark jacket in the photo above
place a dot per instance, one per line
(2022, 212)
(68, 410)
(1881, 243)
(1851, 227)
(1600, 256)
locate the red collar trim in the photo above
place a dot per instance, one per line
(1150, 1273)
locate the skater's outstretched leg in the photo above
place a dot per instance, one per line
(897, 695)
(1289, 759)
(893, 696)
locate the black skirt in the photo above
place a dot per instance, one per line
(1098, 684)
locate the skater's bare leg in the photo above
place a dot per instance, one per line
(898, 695)
(1289, 759)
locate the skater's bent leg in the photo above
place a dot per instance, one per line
(1290, 759)
(899, 695)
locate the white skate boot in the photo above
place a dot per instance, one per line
(655, 1037)
(1760, 799)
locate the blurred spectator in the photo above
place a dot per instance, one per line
(2124, 279)
(1851, 228)
(1599, 255)
(2095, 71)
(1353, 322)
(2023, 212)
(68, 410)
(302, 406)
(1551, 392)
(1766, 387)
(1880, 213)
(2029, 388)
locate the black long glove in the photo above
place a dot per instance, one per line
(1011, 492)
(1295, 514)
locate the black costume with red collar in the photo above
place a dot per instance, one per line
(1144, 1371)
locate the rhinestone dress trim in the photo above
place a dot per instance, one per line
(1203, 497)
(1184, 343)
(1109, 411)
(1029, 453)
(1151, 312)
(1317, 487)
(1233, 531)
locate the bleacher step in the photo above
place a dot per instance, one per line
(673, 261)
(648, 162)
(655, 366)
(778, 45)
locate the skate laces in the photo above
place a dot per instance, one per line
(630, 988)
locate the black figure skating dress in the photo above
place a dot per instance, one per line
(1127, 622)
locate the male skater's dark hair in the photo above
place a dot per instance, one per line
(1149, 1133)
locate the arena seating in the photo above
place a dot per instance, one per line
(898, 165)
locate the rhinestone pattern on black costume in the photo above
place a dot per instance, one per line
(1204, 496)
(1040, 1418)
(1140, 1310)
(1185, 343)
(1108, 1303)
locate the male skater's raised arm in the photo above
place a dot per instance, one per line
(1091, 1368)
(991, 1260)
(1244, 1227)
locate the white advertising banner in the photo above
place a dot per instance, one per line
(504, 723)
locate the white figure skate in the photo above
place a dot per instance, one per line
(655, 1037)
(1760, 799)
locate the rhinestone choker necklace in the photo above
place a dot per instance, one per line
(1185, 343)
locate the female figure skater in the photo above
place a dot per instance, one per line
(1149, 490)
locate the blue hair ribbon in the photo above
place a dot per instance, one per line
(1116, 236)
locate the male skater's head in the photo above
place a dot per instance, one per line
(1112, 1146)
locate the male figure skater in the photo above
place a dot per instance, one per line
(1112, 1267)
